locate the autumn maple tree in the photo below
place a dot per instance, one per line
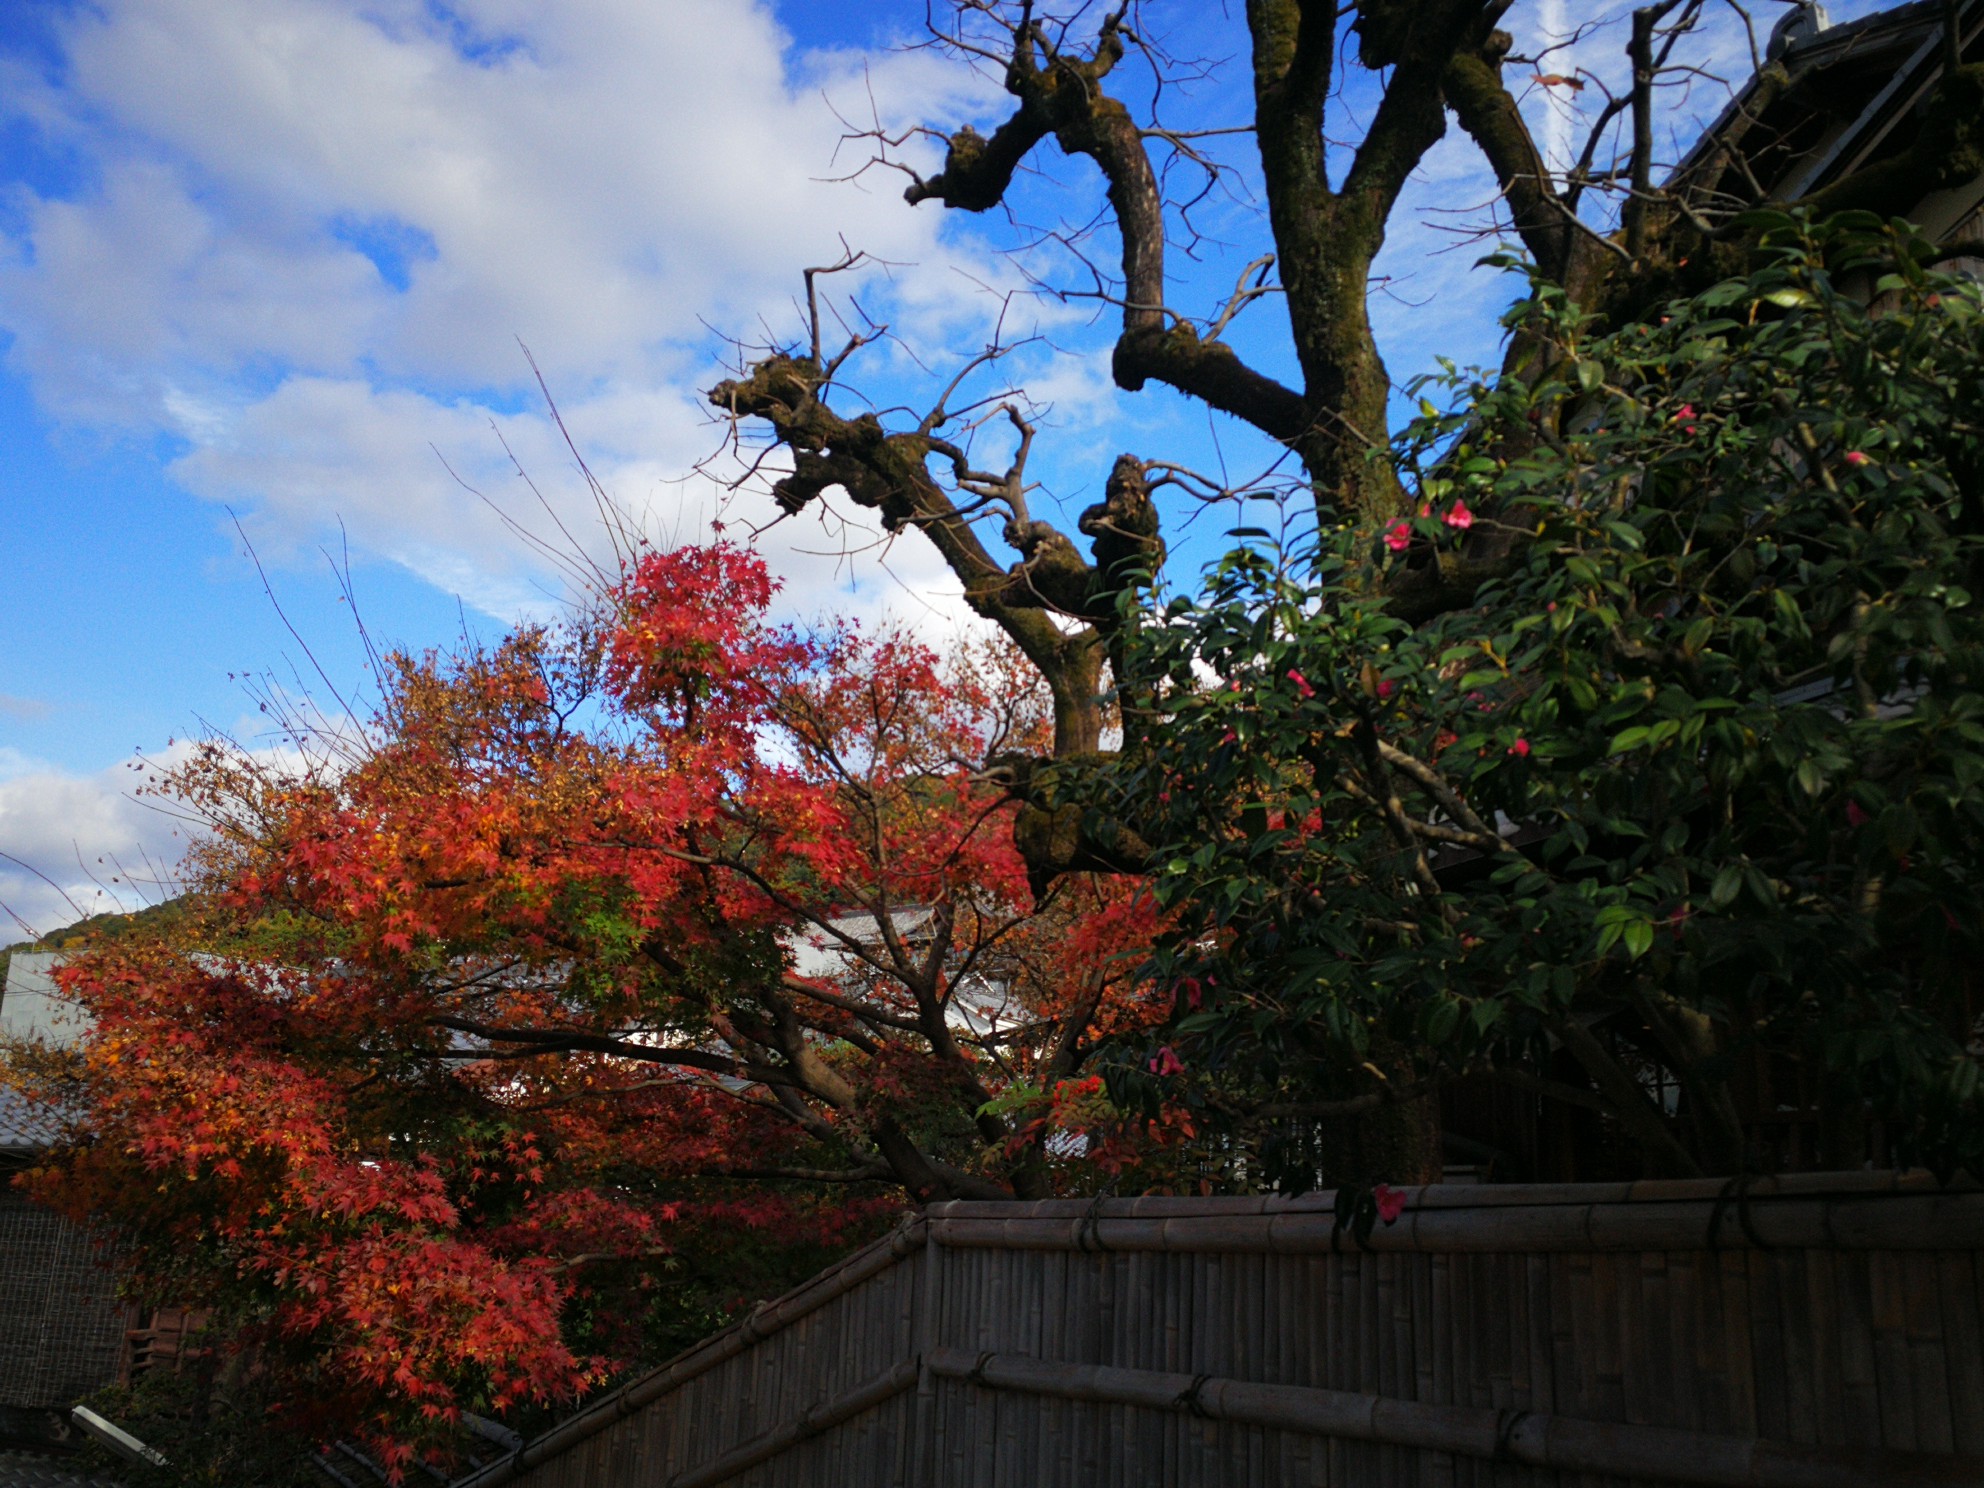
(610, 943)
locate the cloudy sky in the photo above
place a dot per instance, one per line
(268, 270)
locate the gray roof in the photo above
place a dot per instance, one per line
(1903, 39)
(25, 1127)
(33, 1006)
(32, 1470)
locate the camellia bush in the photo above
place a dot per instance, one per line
(1680, 822)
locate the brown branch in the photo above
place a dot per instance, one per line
(1625, 1098)
(1357, 1105)
(1486, 109)
(867, 1173)
(1435, 784)
(861, 1010)
(562, 1040)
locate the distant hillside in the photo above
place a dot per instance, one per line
(162, 916)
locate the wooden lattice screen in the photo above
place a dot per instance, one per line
(1816, 1330)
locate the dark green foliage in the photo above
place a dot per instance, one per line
(1680, 819)
(212, 1421)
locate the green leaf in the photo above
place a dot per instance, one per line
(1728, 884)
(1639, 938)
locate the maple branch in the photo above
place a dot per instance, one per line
(861, 1010)
(867, 1173)
(557, 1041)
(594, 1257)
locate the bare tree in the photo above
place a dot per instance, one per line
(1612, 225)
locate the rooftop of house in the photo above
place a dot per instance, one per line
(25, 1129)
(32, 1005)
(1832, 100)
(34, 1470)
(32, 1009)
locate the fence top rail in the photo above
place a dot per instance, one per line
(1456, 1196)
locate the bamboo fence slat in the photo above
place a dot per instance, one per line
(1784, 1390)
(1963, 1341)
(1859, 1349)
(1927, 1359)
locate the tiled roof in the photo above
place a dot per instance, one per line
(29, 1470)
(24, 1125)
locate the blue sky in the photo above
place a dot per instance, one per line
(272, 261)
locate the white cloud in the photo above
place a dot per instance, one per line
(14, 762)
(309, 234)
(76, 845)
(316, 231)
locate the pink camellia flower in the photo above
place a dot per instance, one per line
(1301, 683)
(1194, 994)
(1386, 687)
(1391, 1202)
(1398, 535)
(1520, 748)
(1855, 817)
(1459, 517)
(1228, 737)
(1856, 458)
(1166, 1063)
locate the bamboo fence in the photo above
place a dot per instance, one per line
(1818, 1331)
